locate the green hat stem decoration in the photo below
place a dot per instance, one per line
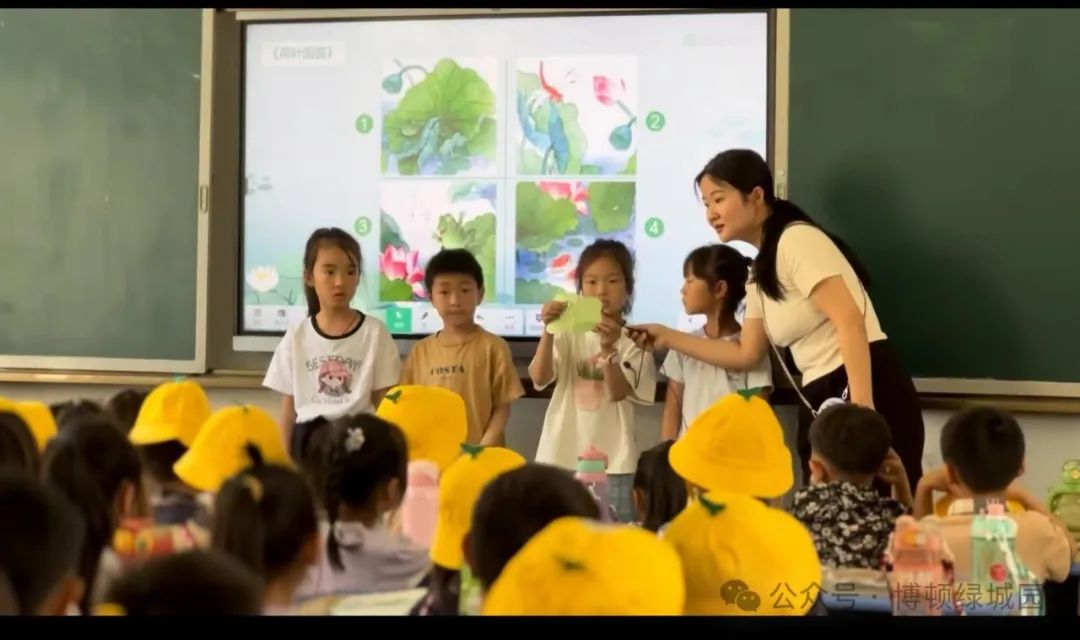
(749, 393)
(712, 507)
(471, 450)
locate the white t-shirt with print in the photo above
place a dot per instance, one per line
(581, 412)
(333, 376)
(704, 383)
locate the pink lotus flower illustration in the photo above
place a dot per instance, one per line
(398, 264)
(573, 191)
(608, 90)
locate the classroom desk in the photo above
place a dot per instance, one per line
(1062, 599)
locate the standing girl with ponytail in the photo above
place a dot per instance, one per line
(338, 361)
(714, 286)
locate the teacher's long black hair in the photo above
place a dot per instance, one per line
(744, 169)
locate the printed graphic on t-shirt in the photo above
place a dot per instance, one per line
(447, 370)
(334, 376)
(589, 384)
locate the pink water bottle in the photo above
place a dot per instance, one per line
(420, 506)
(592, 472)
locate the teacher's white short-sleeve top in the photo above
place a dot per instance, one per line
(804, 258)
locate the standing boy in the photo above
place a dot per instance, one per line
(463, 357)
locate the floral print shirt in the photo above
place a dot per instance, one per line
(850, 524)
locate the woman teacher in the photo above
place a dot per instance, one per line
(807, 291)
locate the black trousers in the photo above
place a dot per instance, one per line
(895, 399)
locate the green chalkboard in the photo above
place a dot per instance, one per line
(943, 145)
(99, 183)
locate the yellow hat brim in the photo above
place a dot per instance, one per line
(447, 545)
(155, 433)
(770, 478)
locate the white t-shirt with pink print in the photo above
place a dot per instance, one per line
(333, 376)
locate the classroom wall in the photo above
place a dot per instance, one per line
(1051, 438)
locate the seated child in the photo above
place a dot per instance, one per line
(735, 445)
(125, 407)
(659, 492)
(576, 566)
(64, 411)
(18, 451)
(435, 423)
(265, 517)
(170, 419)
(433, 419)
(849, 520)
(40, 541)
(516, 506)
(450, 585)
(364, 480)
(191, 583)
(220, 450)
(463, 357)
(983, 450)
(99, 471)
(742, 557)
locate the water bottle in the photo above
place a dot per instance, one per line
(592, 472)
(420, 506)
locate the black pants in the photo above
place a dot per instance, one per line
(895, 399)
(301, 436)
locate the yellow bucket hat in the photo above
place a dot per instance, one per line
(433, 420)
(735, 445)
(174, 410)
(37, 416)
(577, 566)
(459, 489)
(218, 451)
(741, 557)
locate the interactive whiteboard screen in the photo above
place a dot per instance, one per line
(521, 139)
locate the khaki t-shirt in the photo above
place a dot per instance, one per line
(1042, 547)
(480, 369)
(804, 258)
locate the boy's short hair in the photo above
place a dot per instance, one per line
(204, 582)
(158, 459)
(854, 439)
(516, 506)
(40, 539)
(125, 406)
(453, 262)
(66, 413)
(985, 447)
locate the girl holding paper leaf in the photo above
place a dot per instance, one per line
(599, 374)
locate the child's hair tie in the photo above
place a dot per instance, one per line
(354, 439)
(254, 486)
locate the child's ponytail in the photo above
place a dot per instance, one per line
(263, 516)
(363, 455)
(718, 262)
(238, 529)
(332, 499)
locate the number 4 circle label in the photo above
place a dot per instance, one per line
(654, 227)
